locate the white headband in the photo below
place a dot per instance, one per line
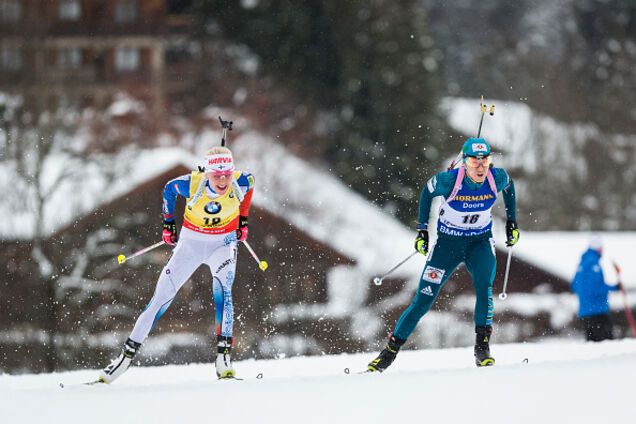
(219, 163)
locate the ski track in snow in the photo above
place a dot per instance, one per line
(562, 381)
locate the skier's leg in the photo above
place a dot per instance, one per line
(182, 264)
(605, 324)
(481, 264)
(599, 328)
(222, 264)
(588, 328)
(446, 255)
(444, 258)
(176, 272)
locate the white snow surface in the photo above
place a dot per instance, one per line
(562, 381)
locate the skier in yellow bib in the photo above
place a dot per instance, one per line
(215, 220)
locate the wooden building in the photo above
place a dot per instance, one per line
(83, 51)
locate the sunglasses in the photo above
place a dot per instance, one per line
(219, 174)
(474, 162)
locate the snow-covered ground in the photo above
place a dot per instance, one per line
(561, 381)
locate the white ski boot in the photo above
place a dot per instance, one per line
(224, 369)
(121, 364)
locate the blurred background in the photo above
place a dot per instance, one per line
(342, 110)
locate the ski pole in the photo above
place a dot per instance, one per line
(503, 294)
(628, 311)
(261, 264)
(378, 280)
(483, 108)
(123, 258)
(227, 125)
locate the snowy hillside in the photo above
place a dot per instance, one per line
(564, 381)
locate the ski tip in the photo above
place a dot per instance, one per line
(367, 371)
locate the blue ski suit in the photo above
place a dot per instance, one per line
(589, 285)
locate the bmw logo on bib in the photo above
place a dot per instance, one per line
(213, 208)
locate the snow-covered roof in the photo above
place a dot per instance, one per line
(310, 198)
(560, 252)
(97, 181)
(513, 130)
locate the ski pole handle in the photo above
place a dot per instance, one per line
(483, 108)
(123, 258)
(503, 294)
(261, 264)
(378, 280)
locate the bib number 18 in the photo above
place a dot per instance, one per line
(470, 219)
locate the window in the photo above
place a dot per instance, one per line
(69, 58)
(69, 10)
(10, 59)
(10, 10)
(127, 59)
(126, 11)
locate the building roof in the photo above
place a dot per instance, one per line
(310, 198)
(560, 252)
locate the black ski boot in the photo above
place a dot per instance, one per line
(387, 356)
(482, 348)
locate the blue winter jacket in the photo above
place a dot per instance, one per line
(589, 285)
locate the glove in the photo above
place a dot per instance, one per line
(241, 232)
(512, 233)
(421, 242)
(169, 234)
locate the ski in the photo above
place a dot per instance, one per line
(367, 371)
(259, 376)
(231, 378)
(87, 383)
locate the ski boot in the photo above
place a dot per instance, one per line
(224, 369)
(387, 356)
(121, 364)
(482, 348)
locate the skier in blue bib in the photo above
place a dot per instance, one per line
(463, 235)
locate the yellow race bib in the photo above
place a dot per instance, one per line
(211, 216)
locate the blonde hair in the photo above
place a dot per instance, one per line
(219, 150)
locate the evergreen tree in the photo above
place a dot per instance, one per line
(372, 68)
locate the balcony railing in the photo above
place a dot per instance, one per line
(170, 25)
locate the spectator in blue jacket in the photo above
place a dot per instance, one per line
(591, 289)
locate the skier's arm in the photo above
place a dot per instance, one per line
(179, 186)
(612, 288)
(505, 184)
(440, 185)
(246, 184)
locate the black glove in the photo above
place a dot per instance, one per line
(169, 233)
(512, 233)
(241, 232)
(421, 242)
